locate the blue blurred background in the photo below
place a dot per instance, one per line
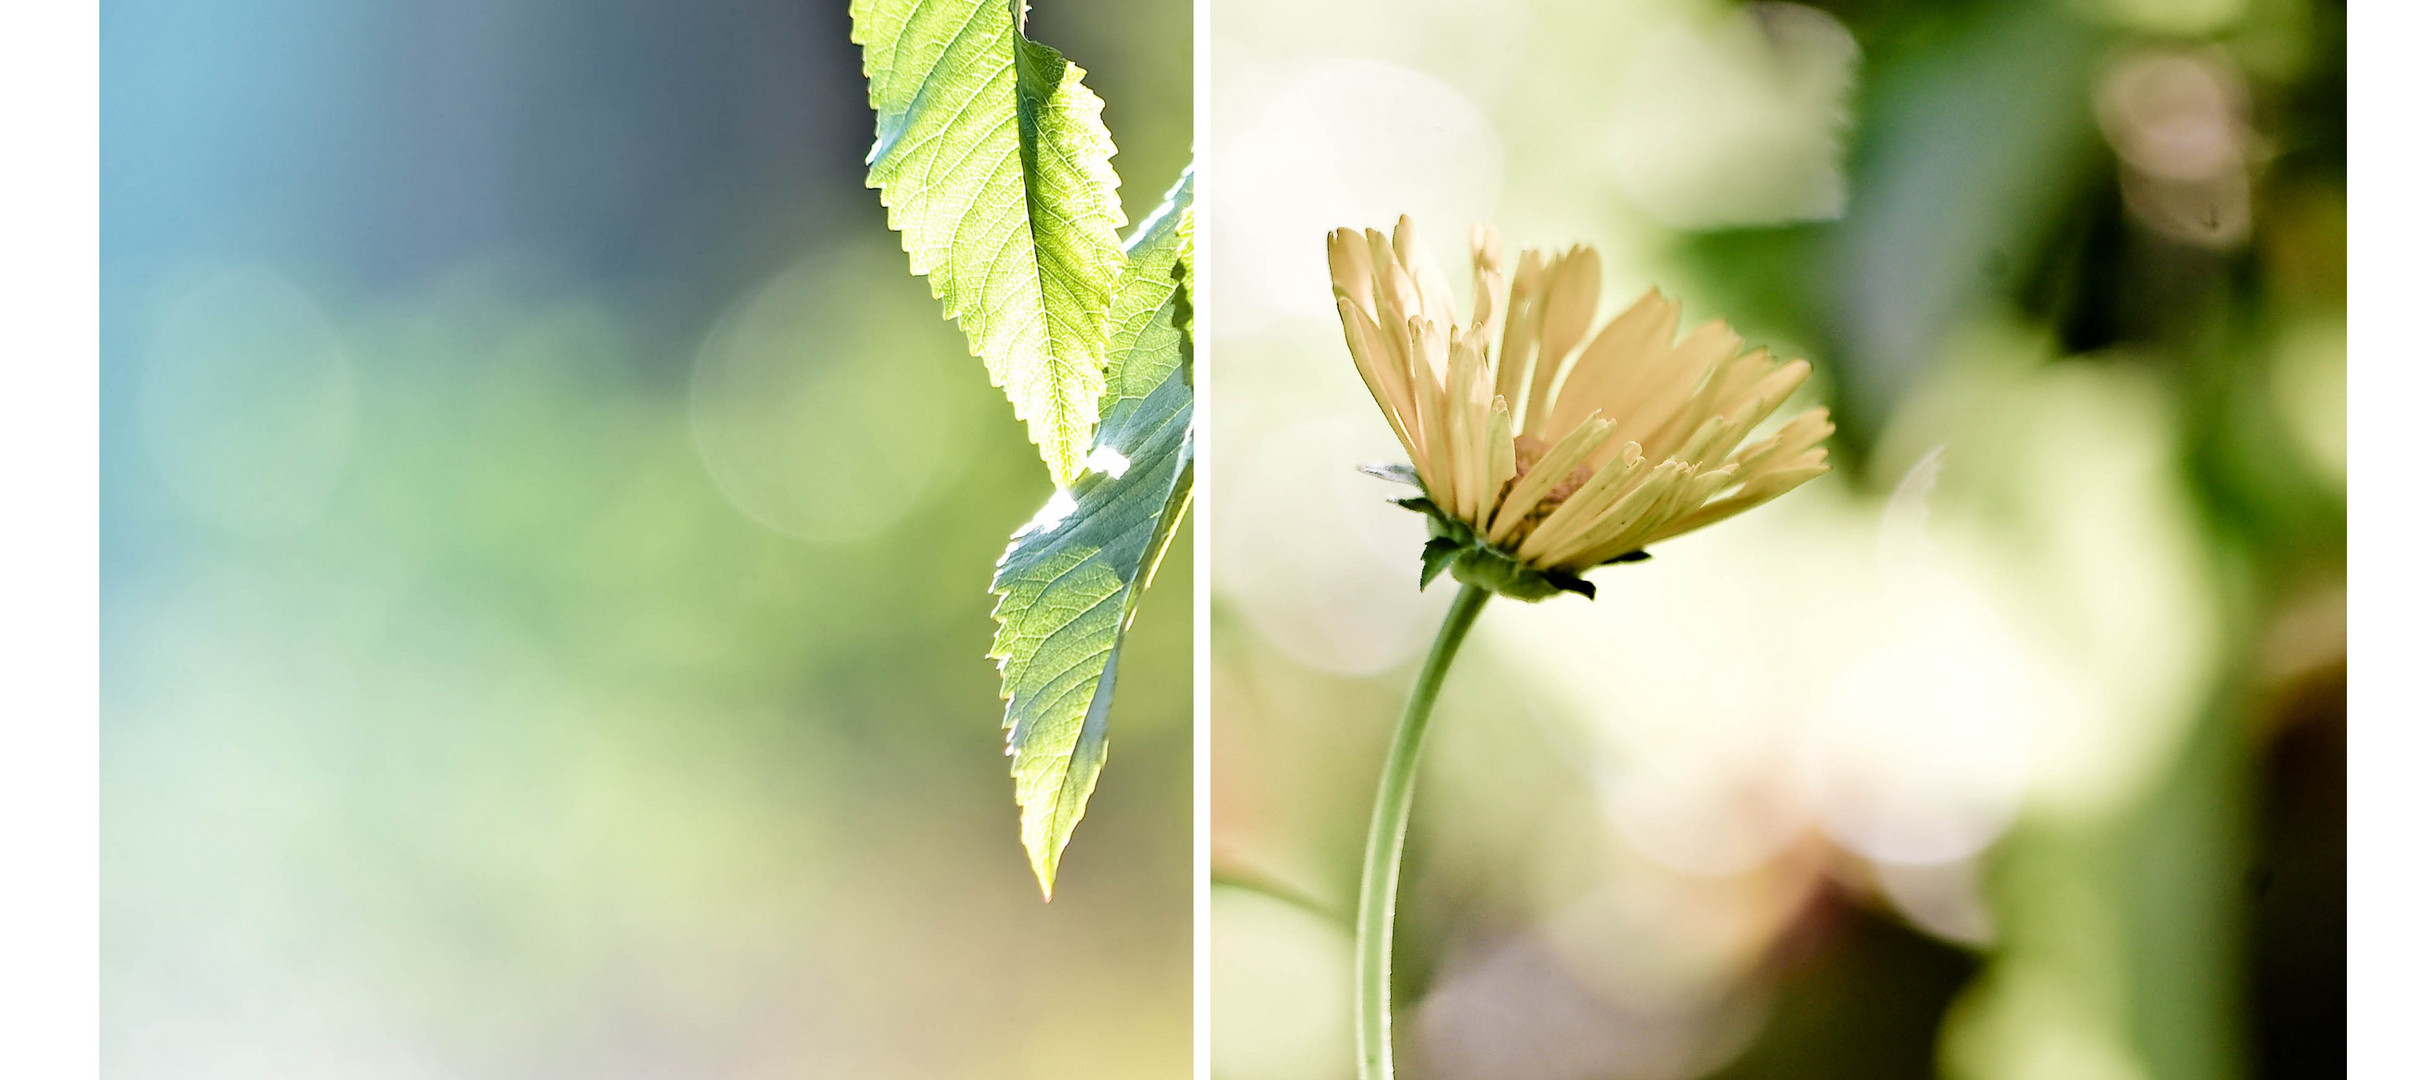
(545, 534)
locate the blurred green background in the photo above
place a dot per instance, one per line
(545, 540)
(2012, 749)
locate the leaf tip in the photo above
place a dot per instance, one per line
(1044, 870)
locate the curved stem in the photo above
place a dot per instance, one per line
(1380, 872)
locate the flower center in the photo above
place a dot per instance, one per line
(1526, 451)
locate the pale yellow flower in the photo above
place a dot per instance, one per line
(1574, 444)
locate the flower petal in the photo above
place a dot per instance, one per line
(1574, 283)
(1760, 490)
(1434, 291)
(1663, 389)
(1383, 373)
(1625, 346)
(1792, 438)
(1434, 429)
(1611, 525)
(1485, 251)
(1622, 476)
(1467, 427)
(1348, 265)
(1502, 462)
(1522, 326)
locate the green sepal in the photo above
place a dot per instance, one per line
(1435, 559)
(1399, 474)
(1569, 582)
(1453, 545)
(1490, 568)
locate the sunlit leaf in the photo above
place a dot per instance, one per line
(990, 154)
(1069, 580)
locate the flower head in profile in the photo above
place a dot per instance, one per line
(1570, 445)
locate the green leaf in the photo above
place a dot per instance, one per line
(1068, 583)
(990, 155)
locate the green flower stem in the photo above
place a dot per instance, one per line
(1380, 873)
